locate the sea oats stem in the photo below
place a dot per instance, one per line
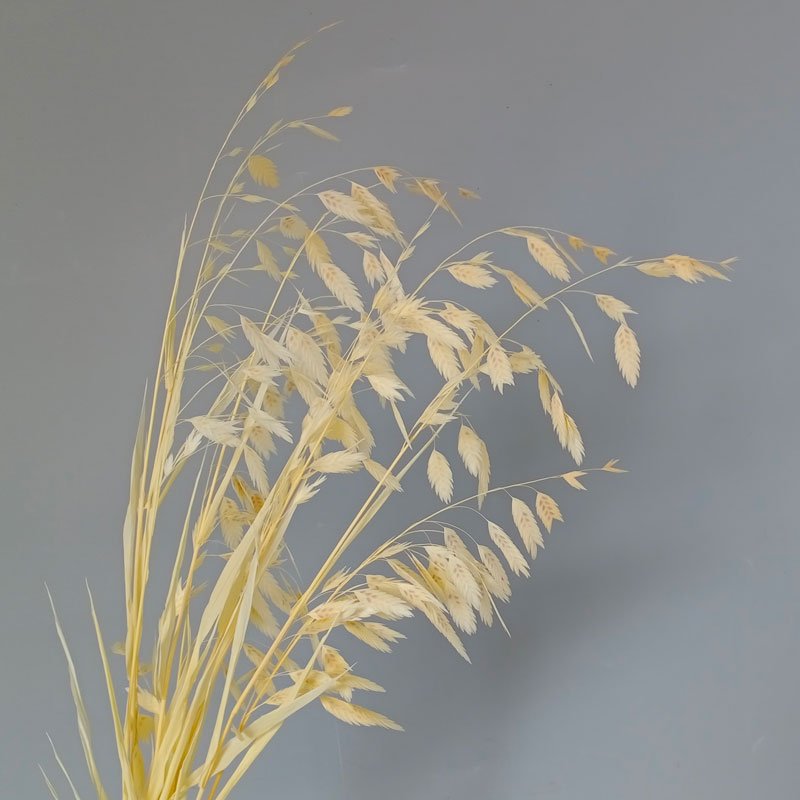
(296, 403)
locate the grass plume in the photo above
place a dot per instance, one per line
(252, 411)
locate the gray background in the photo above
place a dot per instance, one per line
(655, 652)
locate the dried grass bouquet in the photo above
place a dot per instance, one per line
(254, 411)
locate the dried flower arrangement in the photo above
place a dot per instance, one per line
(292, 386)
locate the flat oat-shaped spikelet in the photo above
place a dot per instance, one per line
(516, 561)
(470, 448)
(522, 289)
(473, 275)
(444, 359)
(374, 634)
(339, 461)
(575, 445)
(627, 353)
(388, 386)
(527, 526)
(372, 268)
(218, 431)
(383, 220)
(265, 347)
(340, 286)
(613, 308)
(357, 715)
(475, 455)
(345, 206)
(263, 171)
(440, 476)
(497, 574)
(548, 510)
(498, 367)
(387, 176)
(306, 353)
(548, 258)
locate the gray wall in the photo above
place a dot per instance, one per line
(655, 652)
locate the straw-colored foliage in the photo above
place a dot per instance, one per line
(256, 410)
